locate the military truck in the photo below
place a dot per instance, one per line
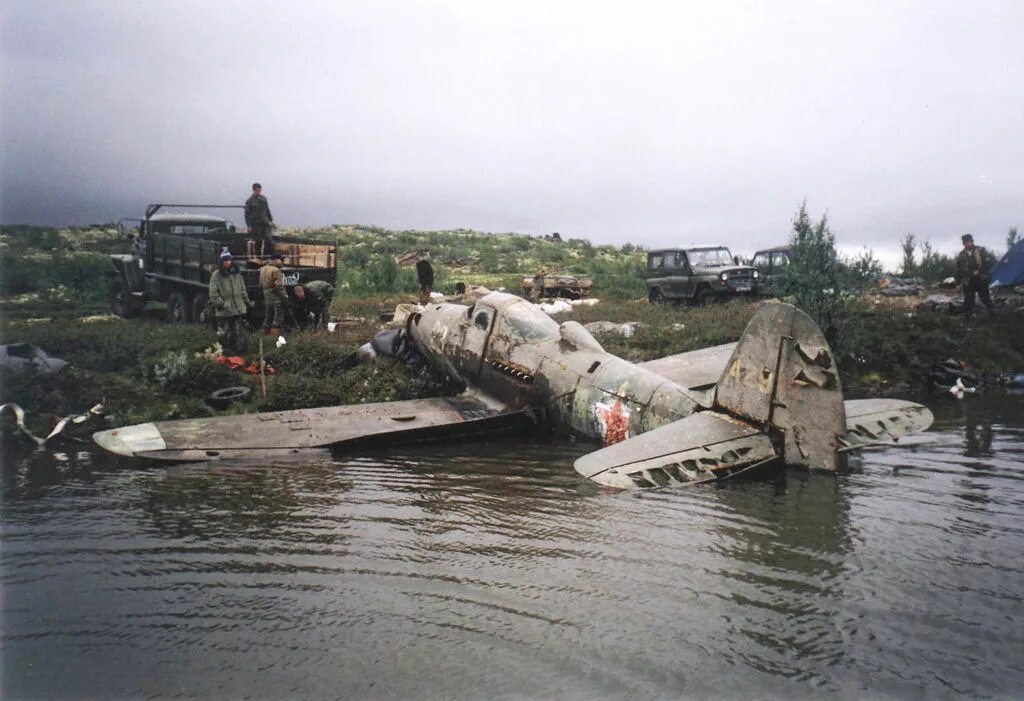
(544, 285)
(174, 253)
(698, 275)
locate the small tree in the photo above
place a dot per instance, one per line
(908, 244)
(1011, 238)
(934, 266)
(814, 277)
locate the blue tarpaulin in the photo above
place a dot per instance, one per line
(1009, 271)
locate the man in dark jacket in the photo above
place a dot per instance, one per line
(425, 276)
(974, 272)
(259, 219)
(230, 303)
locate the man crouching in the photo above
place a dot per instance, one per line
(315, 299)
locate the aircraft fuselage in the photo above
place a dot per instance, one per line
(512, 351)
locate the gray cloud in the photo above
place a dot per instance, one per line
(651, 123)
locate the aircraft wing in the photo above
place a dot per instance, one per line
(695, 370)
(876, 421)
(698, 448)
(709, 445)
(288, 432)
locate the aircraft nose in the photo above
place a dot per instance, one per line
(130, 440)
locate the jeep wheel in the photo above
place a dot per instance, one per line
(705, 296)
(655, 296)
(201, 313)
(121, 301)
(178, 309)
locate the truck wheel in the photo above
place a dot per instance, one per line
(201, 313)
(655, 296)
(178, 309)
(121, 301)
(705, 296)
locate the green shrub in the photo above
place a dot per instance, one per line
(184, 373)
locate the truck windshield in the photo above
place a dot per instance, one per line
(710, 257)
(530, 323)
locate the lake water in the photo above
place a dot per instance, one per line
(492, 571)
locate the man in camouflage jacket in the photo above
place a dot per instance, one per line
(274, 295)
(974, 272)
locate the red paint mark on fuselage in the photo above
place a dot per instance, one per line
(614, 421)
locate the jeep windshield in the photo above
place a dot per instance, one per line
(710, 257)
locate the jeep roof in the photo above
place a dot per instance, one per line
(686, 248)
(774, 249)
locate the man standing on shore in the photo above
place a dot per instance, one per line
(230, 303)
(274, 295)
(973, 271)
(259, 220)
(425, 276)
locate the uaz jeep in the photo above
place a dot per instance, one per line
(698, 275)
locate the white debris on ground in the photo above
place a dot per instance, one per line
(959, 389)
(558, 306)
(589, 302)
(436, 297)
(626, 330)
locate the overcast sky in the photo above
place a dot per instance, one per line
(653, 123)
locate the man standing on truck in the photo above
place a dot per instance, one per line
(274, 295)
(259, 220)
(230, 303)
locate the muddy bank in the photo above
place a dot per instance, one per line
(146, 370)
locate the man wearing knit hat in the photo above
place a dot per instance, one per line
(230, 303)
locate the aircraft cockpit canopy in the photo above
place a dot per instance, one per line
(529, 323)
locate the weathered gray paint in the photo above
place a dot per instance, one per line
(714, 412)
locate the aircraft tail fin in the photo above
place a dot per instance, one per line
(783, 377)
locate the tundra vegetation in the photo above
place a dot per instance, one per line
(53, 293)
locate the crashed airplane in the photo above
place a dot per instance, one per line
(773, 397)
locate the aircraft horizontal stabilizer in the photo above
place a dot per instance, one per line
(875, 421)
(698, 448)
(282, 433)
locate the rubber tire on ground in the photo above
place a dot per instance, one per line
(221, 398)
(121, 302)
(179, 311)
(201, 312)
(655, 296)
(705, 296)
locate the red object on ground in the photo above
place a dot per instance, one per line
(236, 362)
